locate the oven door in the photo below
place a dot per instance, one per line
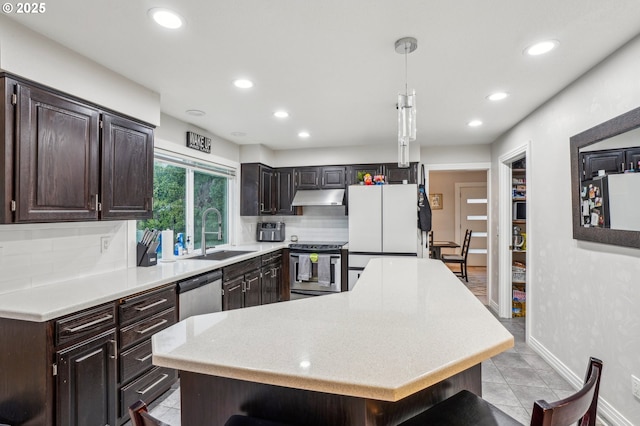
(316, 278)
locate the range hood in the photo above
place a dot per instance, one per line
(318, 197)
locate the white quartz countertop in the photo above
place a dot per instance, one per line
(50, 301)
(408, 324)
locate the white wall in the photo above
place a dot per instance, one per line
(583, 298)
(174, 132)
(30, 55)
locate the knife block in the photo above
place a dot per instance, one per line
(146, 257)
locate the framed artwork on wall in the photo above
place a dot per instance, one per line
(436, 201)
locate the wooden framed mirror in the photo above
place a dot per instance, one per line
(605, 193)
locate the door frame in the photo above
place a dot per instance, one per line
(505, 212)
(482, 166)
(457, 208)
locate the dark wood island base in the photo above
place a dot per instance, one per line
(211, 400)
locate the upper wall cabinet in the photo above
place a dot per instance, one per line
(258, 189)
(53, 167)
(58, 158)
(127, 168)
(395, 175)
(329, 177)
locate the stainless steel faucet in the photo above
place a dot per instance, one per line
(204, 232)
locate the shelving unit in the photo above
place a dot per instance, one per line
(519, 239)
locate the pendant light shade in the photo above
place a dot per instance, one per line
(406, 106)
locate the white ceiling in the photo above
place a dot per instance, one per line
(333, 66)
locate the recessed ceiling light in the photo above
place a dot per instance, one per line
(195, 112)
(541, 48)
(497, 96)
(243, 83)
(238, 134)
(281, 114)
(304, 134)
(166, 18)
(474, 123)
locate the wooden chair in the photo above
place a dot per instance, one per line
(467, 409)
(432, 251)
(140, 416)
(461, 258)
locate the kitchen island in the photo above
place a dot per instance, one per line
(408, 335)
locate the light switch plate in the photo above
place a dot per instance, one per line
(104, 243)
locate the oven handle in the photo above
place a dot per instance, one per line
(336, 256)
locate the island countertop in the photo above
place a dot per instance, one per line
(408, 324)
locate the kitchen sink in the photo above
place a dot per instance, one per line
(222, 254)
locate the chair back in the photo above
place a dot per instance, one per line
(431, 249)
(465, 244)
(140, 416)
(580, 406)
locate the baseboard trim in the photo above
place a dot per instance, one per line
(606, 413)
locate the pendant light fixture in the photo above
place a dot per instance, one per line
(406, 105)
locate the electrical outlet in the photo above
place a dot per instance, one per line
(105, 242)
(635, 386)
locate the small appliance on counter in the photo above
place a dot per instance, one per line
(270, 231)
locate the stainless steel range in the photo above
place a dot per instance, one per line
(315, 268)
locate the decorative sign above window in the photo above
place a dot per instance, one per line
(199, 142)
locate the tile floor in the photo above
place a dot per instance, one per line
(511, 380)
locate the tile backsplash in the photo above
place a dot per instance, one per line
(33, 255)
(327, 223)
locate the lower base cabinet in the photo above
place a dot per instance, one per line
(86, 382)
(85, 368)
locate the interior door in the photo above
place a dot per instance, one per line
(473, 215)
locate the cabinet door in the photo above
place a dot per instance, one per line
(267, 191)
(609, 161)
(333, 178)
(632, 155)
(127, 169)
(267, 285)
(57, 158)
(233, 297)
(285, 191)
(253, 289)
(308, 178)
(86, 382)
(396, 175)
(355, 174)
(277, 277)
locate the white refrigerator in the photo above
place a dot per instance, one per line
(383, 221)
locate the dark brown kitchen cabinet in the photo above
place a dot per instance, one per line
(258, 190)
(397, 175)
(86, 382)
(285, 191)
(252, 289)
(140, 317)
(632, 155)
(272, 278)
(127, 169)
(233, 294)
(53, 166)
(610, 161)
(87, 367)
(328, 177)
(241, 284)
(356, 172)
(58, 158)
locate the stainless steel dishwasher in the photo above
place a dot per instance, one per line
(201, 294)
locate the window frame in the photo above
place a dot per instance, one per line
(191, 165)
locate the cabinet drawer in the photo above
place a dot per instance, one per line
(232, 271)
(146, 328)
(135, 360)
(147, 388)
(270, 258)
(138, 307)
(84, 324)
